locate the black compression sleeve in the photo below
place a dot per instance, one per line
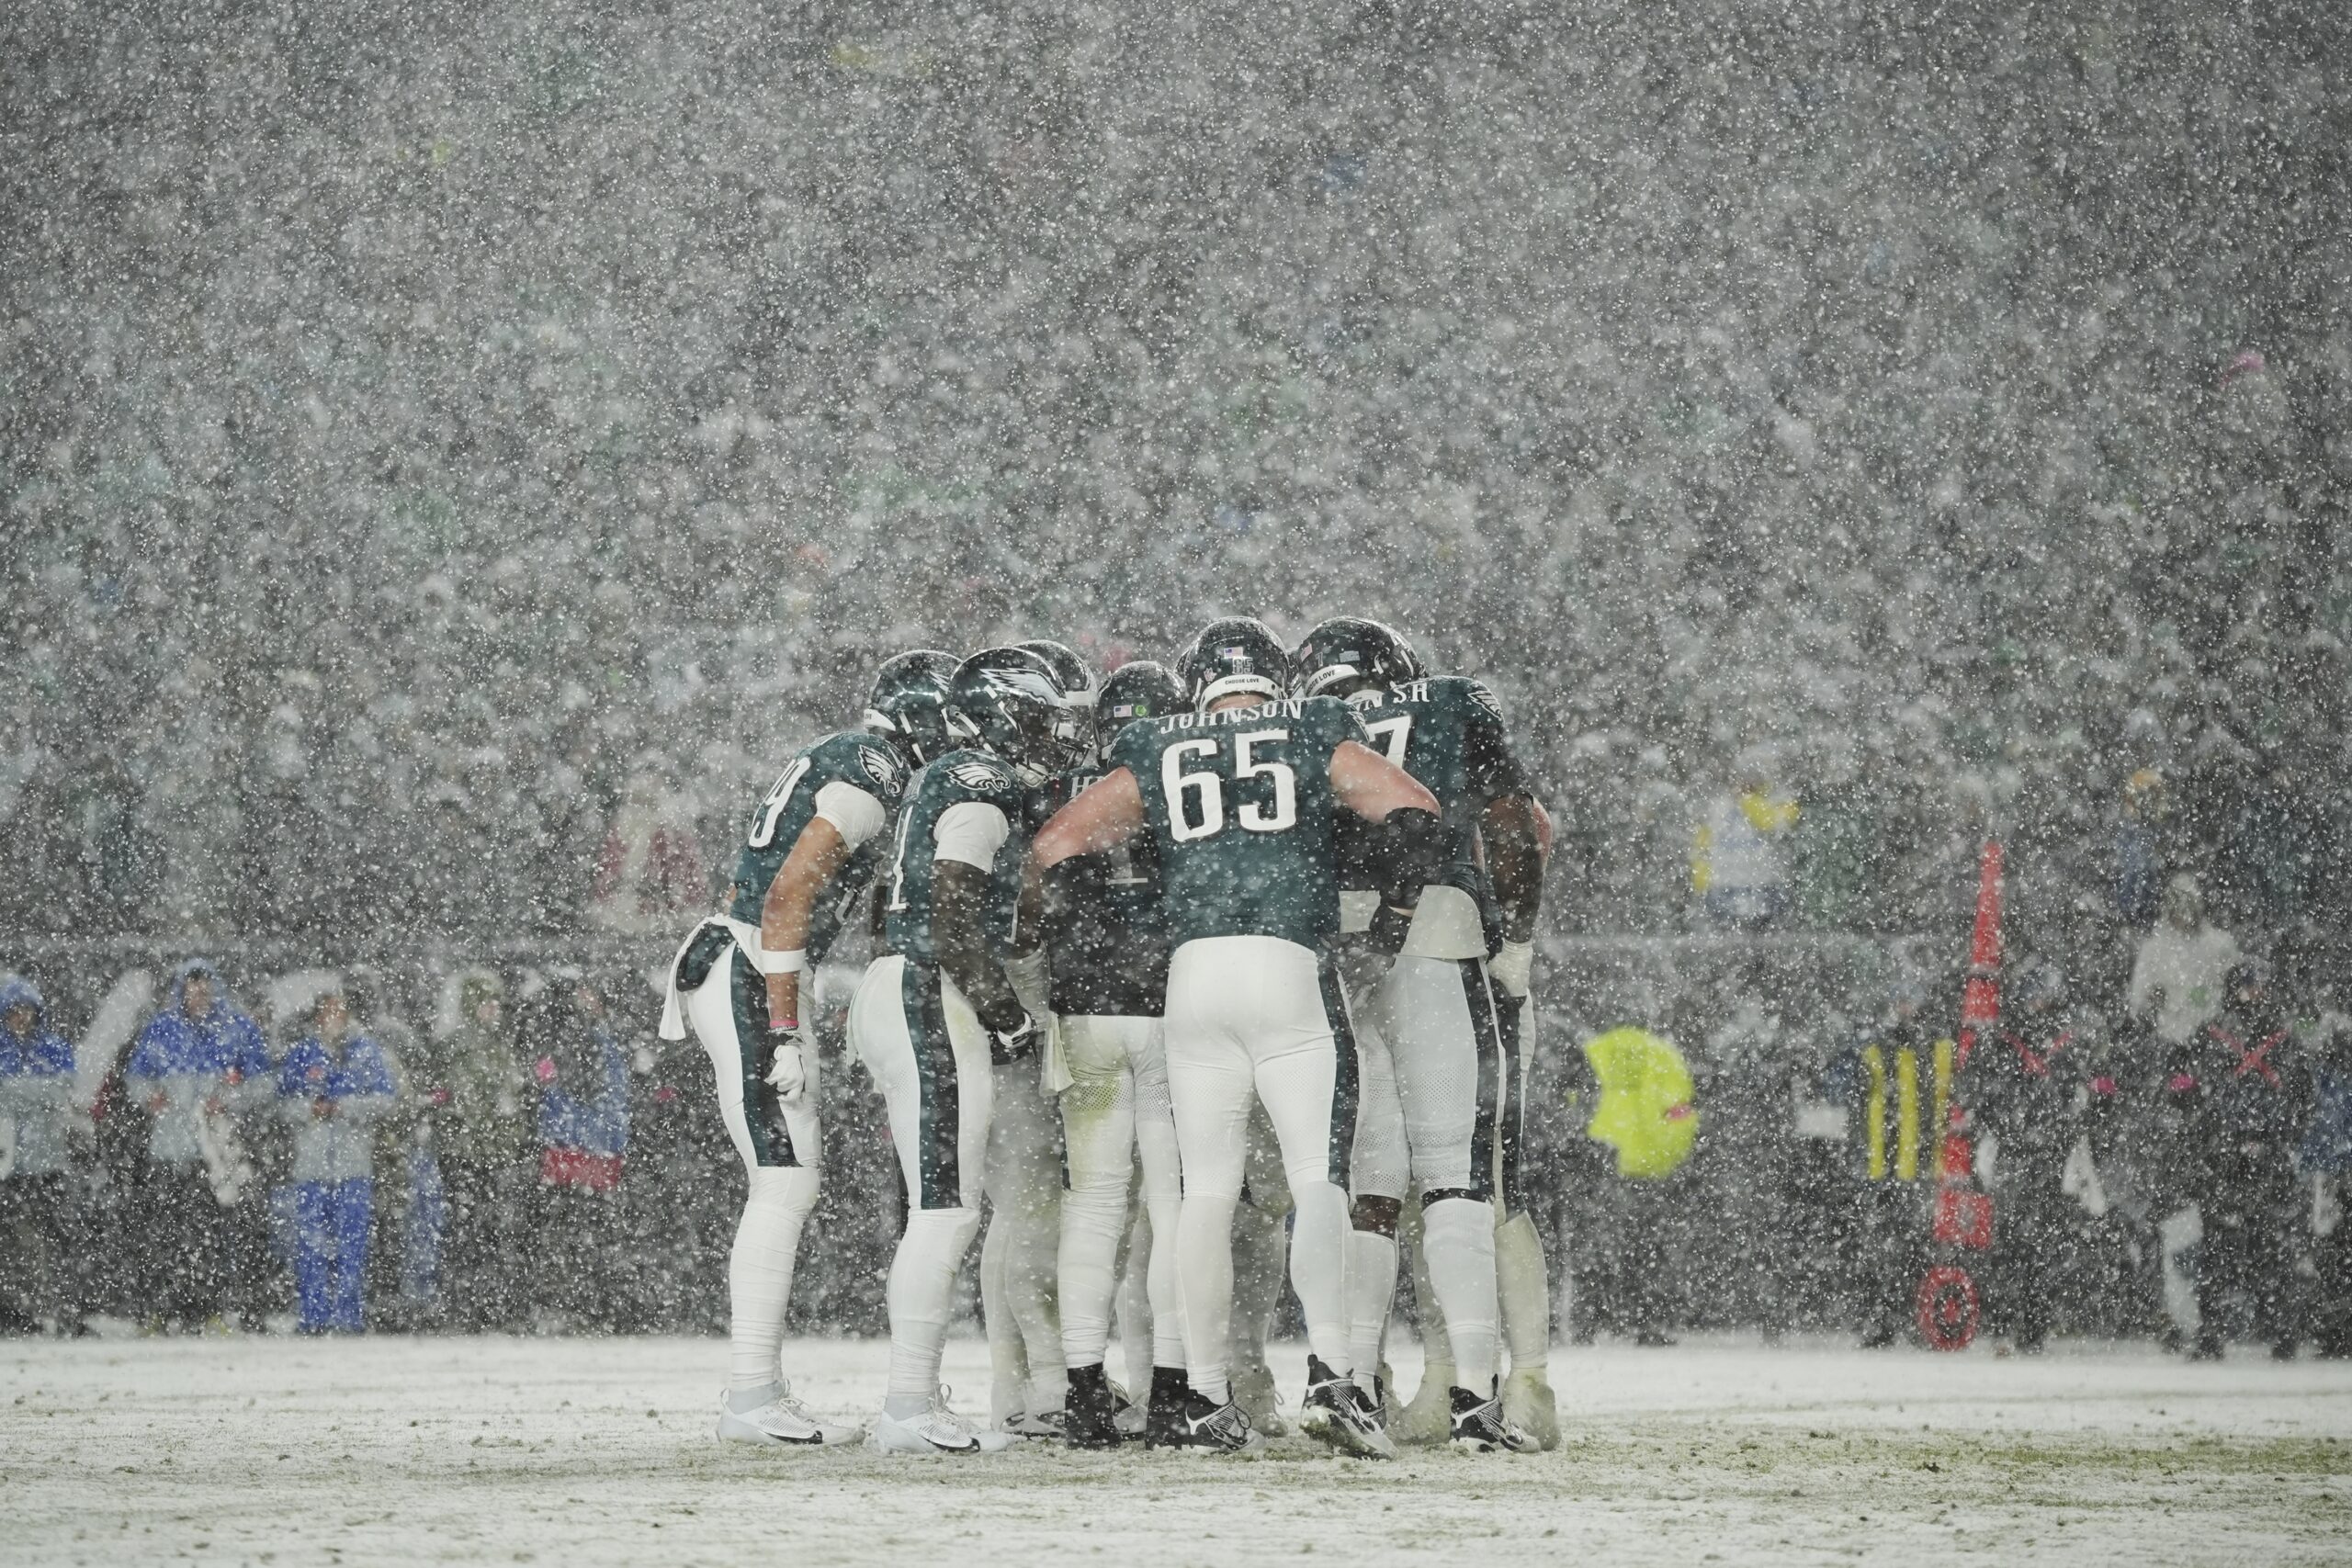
(1492, 771)
(1515, 860)
(959, 935)
(1415, 854)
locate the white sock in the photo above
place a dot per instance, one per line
(1204, 1286)
(1429, 1316)
(1260, 1264)
(743, 1401)
(759, 1272)
(1007, 1355)
(1093, 1216)
(1318, 1267)
(1165, 1307)
(1030, 1290)
(921, 1295)
(1525, 1286)
(1137, 1322)
(1372, 1287)
(1458, 1236)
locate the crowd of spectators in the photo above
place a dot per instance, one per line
(519, 1164)
(441, 470)
(435, 485)
(1762, 1147)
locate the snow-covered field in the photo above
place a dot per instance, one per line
(577, 1451)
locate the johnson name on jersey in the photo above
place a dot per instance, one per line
(854, 782)
(1242, 812)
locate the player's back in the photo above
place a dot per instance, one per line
(1109, 959)
(811, 781)
(1241, 811)
(1448, 732)
(931, 824)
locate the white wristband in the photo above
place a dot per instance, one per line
(791, 963)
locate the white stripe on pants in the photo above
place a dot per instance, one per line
(940, 1095)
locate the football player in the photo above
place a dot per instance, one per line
(808, 852)
(935, 1013)
(1434, 1008)
(1108, 947)
(1238, 796)
(1023, 1179)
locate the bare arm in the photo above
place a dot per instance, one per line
(959, 900)
(1371, 786)
(816, 859)
(1106, 813)
(1513, 829)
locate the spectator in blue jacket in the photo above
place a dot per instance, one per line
(334, 1086)
(36, 1099)
(195, 1067)
(583, 1133)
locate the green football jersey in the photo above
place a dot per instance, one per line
(1448, 732)
(1241, 811)
(957, 777)
(1111, 958)
(862, 763)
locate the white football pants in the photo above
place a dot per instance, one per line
(928, 1056)
(782, 1154)
(1257, 1017)
(1116, 1108)
(1023, 1181)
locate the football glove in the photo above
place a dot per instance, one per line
(787, 1071)
(1012, 1044)
(1513, 968)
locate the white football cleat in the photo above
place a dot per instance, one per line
(1254, 1391)
(1479, 1426)
(783, 1421)
(1050, 1426)
(1339, 1412)
(1528, 1403)
(1130, 1416)
(1427, 1417)
(933, 1431)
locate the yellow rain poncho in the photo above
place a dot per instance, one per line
(1645, 1111)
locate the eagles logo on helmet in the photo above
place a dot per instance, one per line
(1009, 704)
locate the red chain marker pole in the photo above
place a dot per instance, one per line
(1948, 1306)
(1980, 1001)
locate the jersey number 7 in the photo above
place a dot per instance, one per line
(1203, 816)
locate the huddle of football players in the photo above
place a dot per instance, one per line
(1245, 938)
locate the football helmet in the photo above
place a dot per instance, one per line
(1008, 703)
(1070, 674)
(1070, 671)
(909, 702)
(1142, 688)
(1348, 654)
(1241, 654)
